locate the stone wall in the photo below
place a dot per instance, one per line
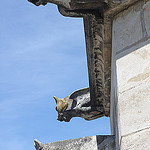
(130, 95)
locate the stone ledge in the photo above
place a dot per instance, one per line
(99, 142)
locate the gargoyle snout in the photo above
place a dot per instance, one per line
(60, 117)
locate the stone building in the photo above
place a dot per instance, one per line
(117, 34)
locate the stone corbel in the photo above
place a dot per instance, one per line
(98, 48)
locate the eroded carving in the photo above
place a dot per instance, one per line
(73, 4)
(78, 104)
(63, 3)
(94, 103)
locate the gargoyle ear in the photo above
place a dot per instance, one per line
(56, 99)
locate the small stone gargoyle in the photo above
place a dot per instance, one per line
(78, 104)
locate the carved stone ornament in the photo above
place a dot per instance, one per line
(78, 104)
(93, 102)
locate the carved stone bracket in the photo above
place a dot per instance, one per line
(97, 25)
(94, 35)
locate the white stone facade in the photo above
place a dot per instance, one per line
(130, 96)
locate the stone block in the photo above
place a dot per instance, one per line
(85, 143)
(134, 109)
(136, 141)
(127, 28)
(146, 9)
(133, 69)
(133, 77)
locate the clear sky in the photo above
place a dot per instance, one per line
(42, 54)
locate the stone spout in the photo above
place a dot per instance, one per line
(78, 104)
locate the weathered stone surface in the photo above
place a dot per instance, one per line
(116, 6)
(130, 98)
(133, 72)
(73, 4)
(98, 47)
(94, 34)
(146, 10)
(85, 143)
(106, 142)
(127, 28)
(136, 141)
(133, 69)
(134, 109)
(107, 61)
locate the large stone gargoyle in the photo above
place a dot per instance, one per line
(73, 4)
(64, 3)
(78, 104)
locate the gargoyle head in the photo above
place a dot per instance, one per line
(61, 106)
(38, 2)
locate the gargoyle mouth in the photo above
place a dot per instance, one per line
(63, 118)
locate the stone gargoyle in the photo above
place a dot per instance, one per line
(78, 104)
(86, 103)
(73, 4)
(64, 3)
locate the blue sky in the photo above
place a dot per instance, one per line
(42, 54)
